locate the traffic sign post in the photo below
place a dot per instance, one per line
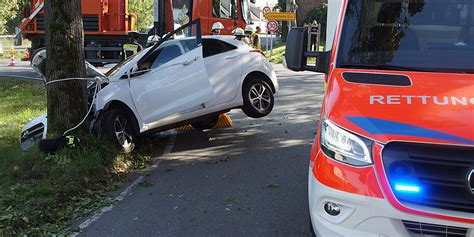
(272, 26)
(281, 16)
(266, 10)
(266, 45)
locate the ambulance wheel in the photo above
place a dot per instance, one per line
(258, 98)
(117, 127)
(208, 123)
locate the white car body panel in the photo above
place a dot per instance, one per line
(187, 87)
(223, 80)
(173, 87)
(117, 91)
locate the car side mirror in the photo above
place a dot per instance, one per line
(297, 56)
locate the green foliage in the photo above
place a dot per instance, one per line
(144, 10)
(319, 13)
(277, 54)
(41, 194)
(10, 15)
(21, 101)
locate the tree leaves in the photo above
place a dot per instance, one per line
(144, 10)
(10, 15)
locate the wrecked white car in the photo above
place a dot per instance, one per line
(190, 80)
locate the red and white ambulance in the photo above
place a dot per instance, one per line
(394, 153)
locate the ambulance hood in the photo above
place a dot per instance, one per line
(431, 107)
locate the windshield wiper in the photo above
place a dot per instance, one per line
(379, 67)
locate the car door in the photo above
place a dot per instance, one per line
(223, 64)
(171, 79)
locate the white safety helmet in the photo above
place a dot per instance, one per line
(152, 39)
(248, 28)
(239, 32)
(217, 26)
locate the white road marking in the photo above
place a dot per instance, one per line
(125, 192)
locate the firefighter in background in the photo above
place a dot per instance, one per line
(256, 38)
(248, 34)
(239, 34)
(132, 47)
(216, 28)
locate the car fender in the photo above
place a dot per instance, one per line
(258, 64)
(118, 91)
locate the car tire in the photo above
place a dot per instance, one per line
(117, 127)
(258, 98)
(208, 123)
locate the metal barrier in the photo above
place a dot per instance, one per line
(5, 48)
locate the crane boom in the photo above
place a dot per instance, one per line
(26, 21)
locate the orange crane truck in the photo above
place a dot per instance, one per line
(107, 23)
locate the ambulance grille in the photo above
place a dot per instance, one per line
(441, 172)
(425, 229)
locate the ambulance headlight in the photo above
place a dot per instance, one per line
(344, 146)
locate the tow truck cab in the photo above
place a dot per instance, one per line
(394, 153)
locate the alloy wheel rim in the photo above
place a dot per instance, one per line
(260, 97)
(121, 133)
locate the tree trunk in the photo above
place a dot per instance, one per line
(284, 24)
(67, 101)
(284, 31)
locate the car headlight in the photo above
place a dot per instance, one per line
(344, 146)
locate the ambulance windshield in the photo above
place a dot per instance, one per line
(408, 35)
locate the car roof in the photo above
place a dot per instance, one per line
(228, 39)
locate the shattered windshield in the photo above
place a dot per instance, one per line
(422, 35)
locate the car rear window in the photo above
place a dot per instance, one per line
(213, 47)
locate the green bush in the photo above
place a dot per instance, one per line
(319, 13)
(10, 16)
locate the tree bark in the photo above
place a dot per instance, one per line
(67, 101)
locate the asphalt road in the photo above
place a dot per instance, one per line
(23, 70)
(20, 70)
(247, 180)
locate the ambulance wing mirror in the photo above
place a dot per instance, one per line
(297, 56)
(295, 47)
(317, 61)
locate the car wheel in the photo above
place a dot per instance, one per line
(208, 123)
(258, 98)
(117, 127)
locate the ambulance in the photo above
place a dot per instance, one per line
(394, 152)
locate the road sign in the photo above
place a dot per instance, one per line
(266, 10)
(281, 16)
(272, 26)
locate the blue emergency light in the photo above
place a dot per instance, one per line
(407, 188)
